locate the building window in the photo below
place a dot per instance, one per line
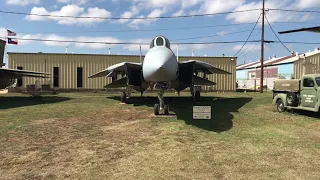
(79, 77)
(19, 80)
(56, 77)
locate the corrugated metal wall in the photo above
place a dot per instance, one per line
(92, 63)
(309, 65)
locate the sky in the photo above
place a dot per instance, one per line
(236, 26)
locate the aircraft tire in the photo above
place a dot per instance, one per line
(197, 96)
(166, 109)
(123, 97)
(156, 109)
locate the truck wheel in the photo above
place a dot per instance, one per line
(292, 99)
(280, 106)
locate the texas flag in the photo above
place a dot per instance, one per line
(11, 33)
(11, 41)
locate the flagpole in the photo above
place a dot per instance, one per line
(5, 49)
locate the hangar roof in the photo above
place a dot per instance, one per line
(280, 60)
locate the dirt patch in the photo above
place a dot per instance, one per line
(65, 148)
(42, 121)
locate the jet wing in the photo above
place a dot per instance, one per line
(204, 67)
(117, 68)
(14, 73)
(311, 29)
(198, 81)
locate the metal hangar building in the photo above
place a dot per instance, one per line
(71, 71)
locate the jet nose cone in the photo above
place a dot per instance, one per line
(160, 65)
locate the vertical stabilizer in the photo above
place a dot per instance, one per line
(2, 48)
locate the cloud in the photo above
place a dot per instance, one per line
(216, 6)
(305, 4)
(179, 13)
(195, 47)
(22, 2)
(151, 4)
(78, 2)
(136, 47)
(154, 13)
(62, 38)
(272, 15)
(70, 10)
(128, 14)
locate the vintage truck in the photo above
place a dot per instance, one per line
(300, 94)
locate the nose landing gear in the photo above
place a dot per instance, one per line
(161, 106)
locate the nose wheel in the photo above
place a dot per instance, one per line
(161, 106)
(157, 109)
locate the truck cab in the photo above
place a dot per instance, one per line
(302, 94)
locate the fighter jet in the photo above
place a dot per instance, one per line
(160, 70)
(8, 77)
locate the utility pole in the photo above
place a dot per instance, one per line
(262, 49)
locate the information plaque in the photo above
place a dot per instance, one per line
(201, 112)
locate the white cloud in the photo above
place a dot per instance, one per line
(272, 15)
(195, 47)
(154, 13)
(78, 2)
(222, 33)
(22, 2)
(179, 13)
(128, 14)
(151, 4)
(136, 47)
(216, 6)
(304, 4)
(70, 10)
(55, 37)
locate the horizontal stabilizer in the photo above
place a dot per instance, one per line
(204, 67)
(22, 73)
(218, 71)
(117, 68)
(202, 82)
(311, 29)
(117, 84)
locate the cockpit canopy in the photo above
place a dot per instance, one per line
(160, 41)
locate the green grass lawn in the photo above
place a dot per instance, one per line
(93, 136)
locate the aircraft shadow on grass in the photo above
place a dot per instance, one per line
(182, 107)
(21, 101)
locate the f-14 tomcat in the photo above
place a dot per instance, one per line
(162, 70)
(8, 77)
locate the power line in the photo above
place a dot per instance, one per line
(139, 30)
(249, 50)
(146, 43)
(294, 10)
(249, 35)
(210, 36)
(277, 35)
(159, 29)
(248, 47)
(123, 43)
(128, 18)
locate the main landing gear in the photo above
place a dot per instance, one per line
(124, 96)
(161, 106)
(195, 93)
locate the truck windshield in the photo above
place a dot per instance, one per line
(318, 81)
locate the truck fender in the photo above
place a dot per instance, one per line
(317, 106)
(283, 97)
